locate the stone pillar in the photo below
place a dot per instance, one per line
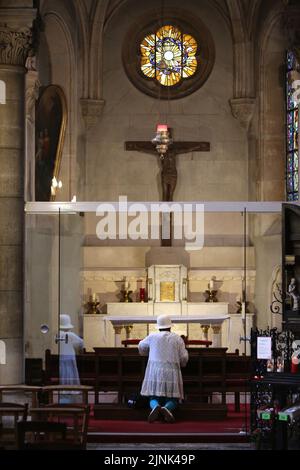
(118, 338)
(205, 330)
(15, 41)
(128, 329)
(216, 336)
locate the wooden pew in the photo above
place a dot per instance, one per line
(86, 364)
(121, 370)
(238, 375)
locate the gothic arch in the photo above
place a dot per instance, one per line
(83, 38)
(59, 18)
(102, 12)
(96, 50)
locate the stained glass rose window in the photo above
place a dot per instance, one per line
(169, 56)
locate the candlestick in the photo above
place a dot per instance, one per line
(92, 306)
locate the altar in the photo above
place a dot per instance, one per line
(167, 294)
(204, 321)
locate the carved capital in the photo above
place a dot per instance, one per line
(118, 329)
(216, 329)
(205, 330)
(15, 45)
(128, 329)
(91, 111)
(242, 109)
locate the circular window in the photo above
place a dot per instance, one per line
(169, 59)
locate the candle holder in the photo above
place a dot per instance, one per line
(211, 295)
(92, 307)
(126, 293)
(240, 306)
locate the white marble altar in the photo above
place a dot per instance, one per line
(204, 321)
(167, 288)
(98, 330)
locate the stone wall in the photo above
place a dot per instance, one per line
(130, 115)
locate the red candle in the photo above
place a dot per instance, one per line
(162, 128)
(294, 365)
(142, 294)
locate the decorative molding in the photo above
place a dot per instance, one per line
(140, 275)
(15, 45)
(92, 276)
(220, 278)
(242, 109)
(91, 111)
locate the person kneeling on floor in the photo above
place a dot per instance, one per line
(163, 379)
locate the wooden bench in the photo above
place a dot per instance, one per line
(76, 419)
(24, 389)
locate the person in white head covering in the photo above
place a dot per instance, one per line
(163, 379)
(70, 344)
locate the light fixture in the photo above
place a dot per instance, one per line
(162, 140)
(55, 186)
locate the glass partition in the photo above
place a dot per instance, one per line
(42, 284)
(98, 279)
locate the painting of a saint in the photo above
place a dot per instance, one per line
(50, 127)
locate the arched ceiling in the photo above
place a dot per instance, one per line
(114, 5)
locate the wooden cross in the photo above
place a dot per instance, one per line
(168, 163)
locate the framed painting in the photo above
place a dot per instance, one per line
(50, 129)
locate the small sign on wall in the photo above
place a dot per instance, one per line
(264, 347)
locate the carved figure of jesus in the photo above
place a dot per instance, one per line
(168, 162)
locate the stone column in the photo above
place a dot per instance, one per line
(205, 330)
(216, 336)
(118, 338)
(15, 43)
(128, 329)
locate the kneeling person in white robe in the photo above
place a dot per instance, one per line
(163, 379)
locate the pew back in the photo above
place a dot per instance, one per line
(122, 370)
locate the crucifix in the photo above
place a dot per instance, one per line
(168, 165)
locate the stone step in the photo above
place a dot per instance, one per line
(185, 412)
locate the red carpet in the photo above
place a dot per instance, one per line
(234, 423)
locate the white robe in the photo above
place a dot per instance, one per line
(167, 354)
(68, 372)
